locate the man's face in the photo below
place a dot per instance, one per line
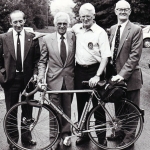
(123, 11)
(62, 24)
(17, 21)
(86, 18)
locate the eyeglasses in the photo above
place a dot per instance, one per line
(87, 17)
(123, 10)
(59, 24)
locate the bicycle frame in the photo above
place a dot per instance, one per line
(85, 110)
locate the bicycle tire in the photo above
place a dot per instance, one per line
(45, 132)
(127, 119)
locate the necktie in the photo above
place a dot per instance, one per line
(63, 49)
(19, 61)
(117, 40)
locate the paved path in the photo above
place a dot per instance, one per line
(143, 142)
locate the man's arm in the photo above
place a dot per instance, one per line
(2, 69)
(93, 81)
(134, 56)
(42, 62)
(36, 58)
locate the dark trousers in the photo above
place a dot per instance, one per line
(85, 74)
(133, 96)
(11, 98)
(63, 101)
(128, 133)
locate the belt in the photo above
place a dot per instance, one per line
(87, 66)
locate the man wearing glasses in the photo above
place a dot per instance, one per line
(58, 50)
(92, 52)
(126, 41)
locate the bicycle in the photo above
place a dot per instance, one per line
(45, 127)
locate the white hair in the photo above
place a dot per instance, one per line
(122, 2)
(60, 14)
(87, 6)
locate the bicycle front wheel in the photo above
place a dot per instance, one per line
(125, 125)
(37, 122)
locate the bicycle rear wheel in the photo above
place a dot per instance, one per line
(44, 131)
(127, 123)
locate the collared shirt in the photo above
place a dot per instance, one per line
(121, 31)
(91, 44)
(22, 39)
(59, 41)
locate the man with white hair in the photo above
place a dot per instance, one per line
(58, 50)
(92, 52)
(126, 41)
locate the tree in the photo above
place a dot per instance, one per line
(4, 12)
(106, 17)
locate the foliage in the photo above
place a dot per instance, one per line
(4, 11)
(106, 17)
(31, 8)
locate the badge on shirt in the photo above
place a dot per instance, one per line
(90, 45)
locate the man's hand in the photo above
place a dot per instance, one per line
(93, 81)
(38, 35)
(40, 80)
(35, 77)
(117, 78)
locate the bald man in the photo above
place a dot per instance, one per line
(126, 40)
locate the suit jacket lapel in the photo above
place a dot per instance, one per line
(55, 47)
(124, 36)
(10, 43)
(27, 44)
(70, 45)
(112, 34)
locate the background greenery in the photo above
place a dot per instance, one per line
(38, 12)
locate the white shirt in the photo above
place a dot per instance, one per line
(59, 41)
(22, 40)
(121, 31)
(91, 44)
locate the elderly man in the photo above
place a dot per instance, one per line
(126, 47)
(57, 53)
(92, 52)
(19, 55)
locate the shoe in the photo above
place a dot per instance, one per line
(82, 140)
(118, 136)
(30, 142)
(67, 141)
(104, 142)
(56, 145)
(12, 147)
(123, 144)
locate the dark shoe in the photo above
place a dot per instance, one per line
(82, 140)
(12, 147)
(118, 136)
(30, 142)
(104, 142)
(123, 144)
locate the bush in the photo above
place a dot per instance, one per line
(39, 22)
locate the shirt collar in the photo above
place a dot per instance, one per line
(59, 36)
(21, 33)
(92, 28)
(123, 24)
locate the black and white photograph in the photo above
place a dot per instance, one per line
(74, 74)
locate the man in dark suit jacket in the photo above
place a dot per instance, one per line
(126, 53)
(19, 56)
(60, 73)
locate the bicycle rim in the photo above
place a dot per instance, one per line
(127, 120)
(45, 132)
